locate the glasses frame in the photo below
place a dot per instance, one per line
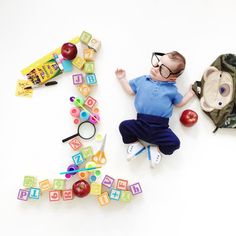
(156, 54)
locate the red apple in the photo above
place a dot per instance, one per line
(188, 117)
(81, 188)
(69, 51)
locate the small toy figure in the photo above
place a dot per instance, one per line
(155, 95)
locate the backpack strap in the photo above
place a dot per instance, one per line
(197, 88)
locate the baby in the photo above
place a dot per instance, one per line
(155, 95)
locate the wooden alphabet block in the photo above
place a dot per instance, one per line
(104, 199)
(126, 196)
(87, 152)
(84, 90)
(115, 194)
(95, 44)
(75, 144)
(23, 194)
(135, 189)
(95, 189)
(89, 67)
(91, 79)
(122, 184)
(54, 195)
(90, 102)
(44, 185)
(85, 37)
(59, 184)
(108, 181)
(77, 79)
(34, 193)
(89, 54)
(78, 62)
(29, 181)
(67, 195)
(78, 158)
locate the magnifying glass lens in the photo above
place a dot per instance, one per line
(86, 130)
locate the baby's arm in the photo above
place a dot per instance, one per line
(120, 75)
(186, 98)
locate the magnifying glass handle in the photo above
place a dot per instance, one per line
(66, 139)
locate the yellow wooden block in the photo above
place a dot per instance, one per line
(104, 199)
(89, 54)
(84, 90)
(45, 185)
(95, 189)
(78, 62)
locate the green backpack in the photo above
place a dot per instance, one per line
(217, 91)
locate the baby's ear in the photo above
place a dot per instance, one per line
(208, 71)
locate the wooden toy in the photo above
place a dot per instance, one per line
(77, 79)
(44, 185)
(71, 168)
(99, 157)
(97, 173)
(78, 158)
(92, 178)
(89, 54)
(84, 115)
(95, 44)
(104, 199)
(108, 181)
(54, 195)
(78, 101)
(67, 195)
(95, 189)
(75, 112)
(89, 67)
(115, 194)
(135, 188)
(90, 102)
(95, 110)
(92, 120)
(29, 181)
(23, 194)
(91, 79)
(59, 184)
(79, 62)
(90, 164)
(75, 144)
(126, 196)
(87, 152)
(85, 37)
(34, 193)
(79, 170)
(84, 89)
(122, 184)
(83, 174)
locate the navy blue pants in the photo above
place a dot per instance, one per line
(151, 129)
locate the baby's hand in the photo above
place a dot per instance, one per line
(120, 73)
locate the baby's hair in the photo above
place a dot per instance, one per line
(178, 57)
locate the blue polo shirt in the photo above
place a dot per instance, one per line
(155, 97)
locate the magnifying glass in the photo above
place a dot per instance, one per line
(86, 130)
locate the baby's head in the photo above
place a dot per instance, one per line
(167, 67)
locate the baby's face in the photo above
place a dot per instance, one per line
(172, 65)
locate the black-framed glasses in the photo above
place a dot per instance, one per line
(164, 70)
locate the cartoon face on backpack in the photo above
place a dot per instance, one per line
(218, 89)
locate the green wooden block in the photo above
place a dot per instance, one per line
(87, 152)
(85, 37)
(59, 184)
(29, 181)
(89, 67)
(126, 196)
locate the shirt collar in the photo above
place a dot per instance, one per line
(148, 77)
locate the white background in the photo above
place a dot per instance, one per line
(191, 193)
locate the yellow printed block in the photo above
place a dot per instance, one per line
(126, 196)
(104, 199)
(78, 62)
(89, 54)
(45, 185)
(95, 189)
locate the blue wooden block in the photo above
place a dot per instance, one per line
(91, 79)
(115, 194)
(78, 158)
(34, 193)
